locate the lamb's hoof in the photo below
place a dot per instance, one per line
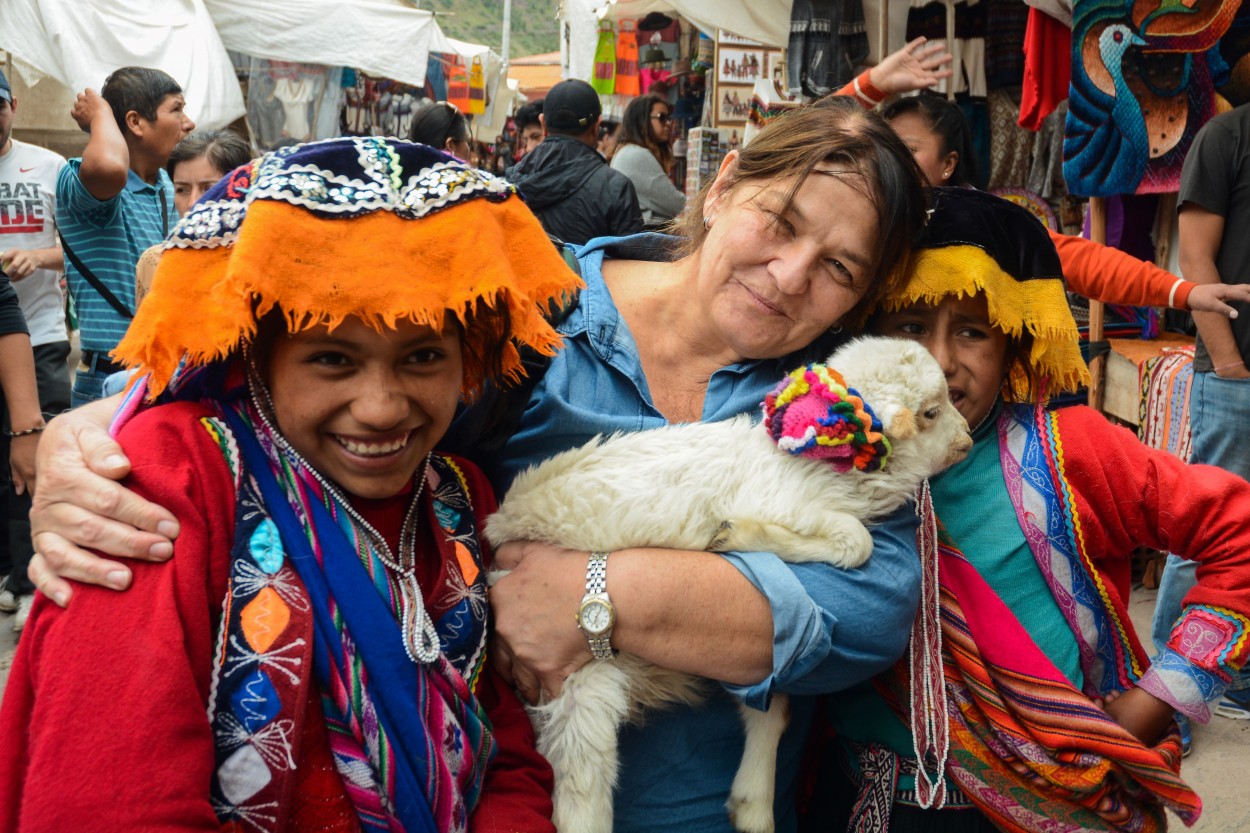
(750, 816)
(721, 537)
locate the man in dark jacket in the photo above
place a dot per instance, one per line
(566, 182)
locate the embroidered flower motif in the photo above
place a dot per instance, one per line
(266, 547)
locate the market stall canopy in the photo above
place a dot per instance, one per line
(386, 38)
(79, 43)
(766, 21)
(536, 74)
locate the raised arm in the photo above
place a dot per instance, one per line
(917, 66)
(80, 504)
(106, 159)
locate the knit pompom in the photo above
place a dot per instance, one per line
(812, 413)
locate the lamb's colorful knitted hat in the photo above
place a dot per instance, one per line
(978, 243)
(370, 227)
(812, 413)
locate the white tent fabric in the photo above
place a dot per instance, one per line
(766, 21)
(79, 42)
(387, 38)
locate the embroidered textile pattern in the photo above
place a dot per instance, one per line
(812, 413)
(375, 183)
(274, 623)
(1032, 459)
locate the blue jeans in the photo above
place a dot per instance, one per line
(1219, 411)
(88, 385)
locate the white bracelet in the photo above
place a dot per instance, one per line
(1172, 294)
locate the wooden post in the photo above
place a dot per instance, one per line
(1097, 233)
(950, 46)
(1164, 222)
(883, 30)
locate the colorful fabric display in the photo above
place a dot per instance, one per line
(604, 81)
(1141, 89)
(627, 81)
(457, 83)
(477, 88)
(1163, 415)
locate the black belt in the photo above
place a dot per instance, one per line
(98, 362)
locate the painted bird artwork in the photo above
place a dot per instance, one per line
(1141, 88)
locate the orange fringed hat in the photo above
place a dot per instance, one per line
(370, 227)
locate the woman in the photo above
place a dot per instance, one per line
(327, 606)
(1053, 716)
(643, 154)
(664, 332)
(936, 131)
(197, 163)
(440, 124)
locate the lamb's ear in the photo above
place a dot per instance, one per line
(902, 424)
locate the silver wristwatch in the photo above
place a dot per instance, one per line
(595, 615)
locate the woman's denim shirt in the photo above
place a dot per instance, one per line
(832, 628)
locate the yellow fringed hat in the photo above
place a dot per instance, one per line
(365, 226)
(978, 243)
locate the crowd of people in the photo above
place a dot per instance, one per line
(337, 357)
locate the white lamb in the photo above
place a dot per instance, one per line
(791, 485)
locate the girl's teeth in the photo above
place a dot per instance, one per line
(372, 449)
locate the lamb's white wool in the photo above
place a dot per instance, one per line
(716, 486)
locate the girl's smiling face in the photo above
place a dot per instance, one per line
(971, 351)
(364, 408)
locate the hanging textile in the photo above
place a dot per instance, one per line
(1163, 413)
(1047, 71)
(1005, 25)
(477, 88)
(1011, 146)
(928, 18)
(1133, 114)
(287, 100)
(828, 42)
(457, 82)
(627, 81)
(604, 81)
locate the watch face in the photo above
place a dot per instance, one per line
(596, 617)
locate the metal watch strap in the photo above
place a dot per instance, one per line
(597, 573)
(597, 585)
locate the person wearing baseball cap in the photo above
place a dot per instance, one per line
(566, 182)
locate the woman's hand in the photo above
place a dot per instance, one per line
(916, 66)
(1145, 716)
(537, 643)
(79, 504)
(1216, 297)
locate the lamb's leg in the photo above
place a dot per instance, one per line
(751, 798)
(577, 735)
(830, 536)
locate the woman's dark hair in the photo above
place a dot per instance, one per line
(141, 89)
(636, 128)
(834, 130)
(437, 122)
(946, 120)
(225, 149)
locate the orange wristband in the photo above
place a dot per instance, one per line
(867, 91)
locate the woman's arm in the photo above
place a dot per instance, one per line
(916, 66)
(747, 619)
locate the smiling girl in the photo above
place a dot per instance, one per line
(1037, 687)
(328, 604)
